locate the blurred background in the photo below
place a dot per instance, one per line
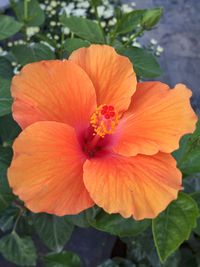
(179, 34)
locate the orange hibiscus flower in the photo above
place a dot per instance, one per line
(92, 135)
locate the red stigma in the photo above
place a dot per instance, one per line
(104, 120)
(107, 112)
(111, 108)
(107, 116)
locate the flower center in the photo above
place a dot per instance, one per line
(104, 120)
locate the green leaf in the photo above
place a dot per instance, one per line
(8, 26)
(54, 231)
(7, 218)
(62, 259)
(117, 262)
(5, 155)
(129, 21)
(6, 69)
(18, 250)
(141, 249)
(96, 2)
(115, 224)
(35, 15)
(151, 17)
(188, 155)
(6, 196)
(145, 18)
(80, 219)
(145, 64)
(84, 28)
(174, 225)
(196, 197)
(9, 129)
(72, 44)
(5, 97)
(25, 54)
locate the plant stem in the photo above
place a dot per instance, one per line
(18, 218)
(113, 35)
(72, 35)
(134, 36)
(25, 10)
(99, 21)
(25, 19)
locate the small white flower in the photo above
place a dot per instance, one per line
(63, 4)
(53, 3)
(136, 44)
(56, 37)
(124, 38)
(53, 23)
(14, 63)
(37, 29)
(106, 2)
(53, 12)
(66, 30)
(42, 6)
(21, 42)
(112, 22)
(30, 31)
(108, 13)
(153, 41)
(103, 24)
(10, 44)
(159, 49)
(100, 10)
(71, 6)
(133, 4)
(79, 12)
(126, 8)
(68, 9)
(84, 4)
(49, 8)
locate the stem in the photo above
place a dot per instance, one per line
(134, 36)
(60, 49)
(72, 35)
(25, 19)
(99, 21)
(62, 38)
(113, 35)
(25, 10)
(18, 218)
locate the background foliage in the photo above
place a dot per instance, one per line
(36, 30)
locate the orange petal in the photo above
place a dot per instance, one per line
(141, 186)
(47, 169)
(112, 75)
(156, 120)
(53, 91)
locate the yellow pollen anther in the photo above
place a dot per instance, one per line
(104, 120)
